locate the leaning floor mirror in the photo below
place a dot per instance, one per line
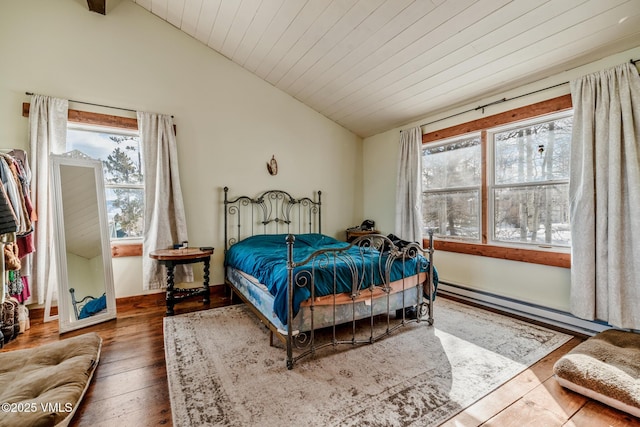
(85, 276)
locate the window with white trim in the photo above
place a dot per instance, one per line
(119, 151)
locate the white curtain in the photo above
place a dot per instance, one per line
(164, 217)
(47, 134)
(605, 197)
(409, 187)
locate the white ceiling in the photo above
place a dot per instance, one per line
(372, 65)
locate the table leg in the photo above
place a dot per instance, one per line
(170, 299)
(205, 284)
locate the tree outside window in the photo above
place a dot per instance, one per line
(451, 180)
(527, 189)
(531, 183)
(122, 165)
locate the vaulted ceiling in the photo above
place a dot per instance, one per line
(372, 65)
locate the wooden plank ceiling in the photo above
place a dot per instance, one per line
(372, 65)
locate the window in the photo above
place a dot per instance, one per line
(499, 186)
(119, 151)
(452, 177)
(530, 188)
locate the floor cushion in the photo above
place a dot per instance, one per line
(605, 367)
(43, 386)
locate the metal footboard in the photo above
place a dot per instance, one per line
(385, 255)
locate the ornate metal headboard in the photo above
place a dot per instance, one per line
(271, 212)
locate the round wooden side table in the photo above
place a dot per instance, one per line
(172, 257)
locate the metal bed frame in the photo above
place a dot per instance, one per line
(277, 212)
(79, 304)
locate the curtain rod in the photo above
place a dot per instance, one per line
(95, 105)
(500, 101)
(91, 103)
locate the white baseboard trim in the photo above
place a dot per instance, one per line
(530, 311)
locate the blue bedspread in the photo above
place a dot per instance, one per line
(93, 306)
(265, 258)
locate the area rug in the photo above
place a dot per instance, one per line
(222, 371)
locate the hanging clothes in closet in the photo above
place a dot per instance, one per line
(15, 177)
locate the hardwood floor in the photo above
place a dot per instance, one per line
(129, 387)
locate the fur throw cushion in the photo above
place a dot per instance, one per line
(606, 367)
(43, 386)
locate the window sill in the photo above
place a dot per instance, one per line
(119, 250)
(554, 259)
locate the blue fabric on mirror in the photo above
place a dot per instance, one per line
(94, 306)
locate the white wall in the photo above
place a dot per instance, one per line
(229, 122)
(85, 275)
(531, 283)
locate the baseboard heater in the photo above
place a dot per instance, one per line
(526, 310)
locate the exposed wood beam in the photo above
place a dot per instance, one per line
(99, 6)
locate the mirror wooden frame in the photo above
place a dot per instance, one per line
(66, 314)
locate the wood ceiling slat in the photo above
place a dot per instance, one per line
(347, 80)
(546, 56)
(513, 19)
(324, 25)
(554, 60)
(192, 10)
(243, 19)
(514, 24)
(505, 54)
(452, 89)
(262, 19)
(443, 58)
(405, 19)
(276, 28)
(424, 37)
(537, 59)
(224, 20)
(380, 21)
(144, 3)
(375, 64)
(341, 33)
(175, 10)
(206, 20)
(159, 7)
(297, 27)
